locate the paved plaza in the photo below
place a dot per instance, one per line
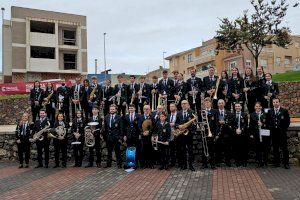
(113, 183)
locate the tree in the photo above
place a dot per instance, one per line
(255, 31)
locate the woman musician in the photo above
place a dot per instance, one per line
(270, 91)
(223, 89)
(60, 141)
(49, 101)
(78, 137)
(249, 89)
(235, 88)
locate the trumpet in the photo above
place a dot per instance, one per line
(178, 99)
(194, 94)
(76, 98)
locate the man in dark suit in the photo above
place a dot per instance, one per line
(76, 93)
(97, 98)
(108, 93)
(166, 89)
(121, 95)
(270, 91)
(154, 93)
(133, 89)
(279, 121)
(63, 100)
(22, 138)
(36, 99)
(185, 142)
(240, 136)
(224, 134)
(43, 144)
(194, 88)
(143, 94)
(114, 135)
(84, 98)
(180, 89)
(210, 84)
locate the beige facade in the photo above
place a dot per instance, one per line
(40, 44)
(274, 59)
(157, 72)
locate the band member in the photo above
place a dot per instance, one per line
(131, 130)
(163, 136)
(156, 114)
(121, 95)
(63, 100)
(49, 100)
(166, 89)
(133, 89)
(23, 130)
(143, 94)
(76, 93)
(36, 98)
(194, 88)
(279, 121)
(146, 151)
(154, 93)
(258, 121)
(223, 89)
(85, 91)
(210, 84)
(261, 81)
(108, 94)
(224, 134)
(40, 124)
(114, 135)
(270, 91)
(185, 142)
(235, 88)
(211, 115)
(240, 136)
(60, 142)
(173, 119)
(180, 90)
(97, 134)
(250, 86)
(96, 95)
(77, 130)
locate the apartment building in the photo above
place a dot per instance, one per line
(41, 45)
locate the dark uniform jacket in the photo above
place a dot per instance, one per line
(115, 131)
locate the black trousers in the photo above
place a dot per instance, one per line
(240, 149)
(163, 154)
(113, 145)
(251, 104)
(223, 145)
(279, 141)
(97, 148)
(60, 146)
(85, 107)
(262, 149)
(185, 147)
(146, 152)
(50, 113)
(172, 152)
(35, 112)
(24, 148)
(211, 151)
(43, 145)
(78, 153)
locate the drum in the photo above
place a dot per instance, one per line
(130, 157)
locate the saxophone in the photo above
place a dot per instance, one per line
(184, 130)
(47, 101)
(93, 92)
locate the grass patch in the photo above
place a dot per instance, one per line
(15, 96)
(293, 76)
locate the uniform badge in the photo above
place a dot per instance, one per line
(282, 117)
(144, 90)
(212, 118)
(164, 130)
(116, 125)
(242, 120)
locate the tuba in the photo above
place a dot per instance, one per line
(184, 130)
(39, 135)
(89, 131)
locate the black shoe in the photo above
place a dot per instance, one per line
(204, 167)
(166, 168)
(38, 166)
(26, 166)
(183, 168)
(107, 166)
(213, 167)
(286, 166)
(75, 165)
(192, 168)
(228, 164)
(21, 166)
(276, 165)
(172, 165)
(64, 166)
(56, 166)
(161, 167)
(244, 164)
(120, 166)
(46, 166)
(99, 165)
(89, 165)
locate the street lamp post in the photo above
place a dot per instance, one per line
(164, 59)
(2, 10)
(104, 34)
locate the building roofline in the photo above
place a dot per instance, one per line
(180, 53)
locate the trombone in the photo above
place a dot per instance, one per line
(204, 123)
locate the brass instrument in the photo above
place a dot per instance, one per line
(204, 116)
(60, 101)
(132, 96)
(140, 93)
(92, 94)
(76, 98)
(178, 99)
(203, 132)
(89, 131)
(184, 130)
(217, 87)
(60, 133)
(163, 100)
(194, 94)
(39, 135)
(153, 103)
(259, 128)
(47, 101)
(119, 98)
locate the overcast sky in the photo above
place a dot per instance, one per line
(139, 31)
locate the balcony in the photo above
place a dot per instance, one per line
(42, 39)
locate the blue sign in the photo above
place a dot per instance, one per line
(101, 77)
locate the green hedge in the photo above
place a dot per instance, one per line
(16, 96)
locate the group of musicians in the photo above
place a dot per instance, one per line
(160, 120)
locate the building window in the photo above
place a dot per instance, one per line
(190, 58)
(232, 64)
(42, 27)
(69, 61)
(278, 62)
(264, 63)
(288, 60)
(42, 52)
(297, 60)
(69, 37)
(248, 63)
